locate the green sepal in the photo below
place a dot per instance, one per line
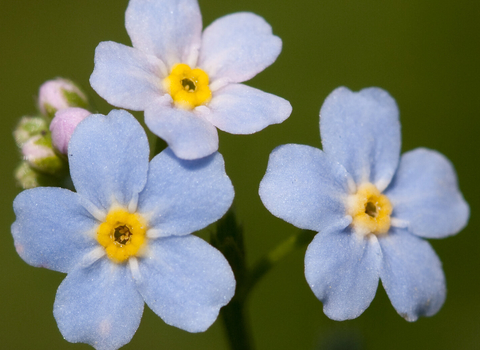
(74, 99)
(50, 165)
(28, 127)
(50, 110)
(228, 238)
(27, 177)
(53, 164)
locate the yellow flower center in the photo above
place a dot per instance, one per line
(122, 234)
(370, 210)
(188, 87)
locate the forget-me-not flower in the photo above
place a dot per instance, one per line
(124, 237)
(186, 81)
(371, 208)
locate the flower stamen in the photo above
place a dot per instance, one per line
(122, 234)
(370, 210)
(188, 87)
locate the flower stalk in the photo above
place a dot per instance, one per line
(229, 240)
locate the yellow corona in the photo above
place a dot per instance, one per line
(188, 87)
(123, 234)
(370, 210)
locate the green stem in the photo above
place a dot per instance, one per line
(301, 239)
(228, 238)
(238, 329)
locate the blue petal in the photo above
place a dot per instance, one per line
(168, 29)
(237, 47)
(108, 158)
(184, 196)
(412, 275)
(52, 228)
(343, 270)
(185, 281)
(188, 135)
(98, 305)
(304, 187)
(241, 109)
(127, 77)
(362, 131)
(425, 195)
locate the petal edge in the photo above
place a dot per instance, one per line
(343, 270)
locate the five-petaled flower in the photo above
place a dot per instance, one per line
(186, 81)
(124, 236)
(370, 207)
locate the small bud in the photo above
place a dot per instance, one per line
(29, 127)
(63, 125)
(26, 176)
(59, 94)
(39, 154)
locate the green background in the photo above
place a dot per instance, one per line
(425, 53)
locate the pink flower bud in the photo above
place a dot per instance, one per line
(63, 125)
(58, 94)
(35, 150)
(39, 155)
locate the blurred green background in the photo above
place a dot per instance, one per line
(426, 54)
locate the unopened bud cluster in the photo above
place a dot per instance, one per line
(43, 139)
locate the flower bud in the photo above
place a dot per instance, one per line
(39, 154)
(29, 127)
(59, 94)
(26, 176)
(63, 125)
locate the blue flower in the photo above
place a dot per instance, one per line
(124, 237)
(370, 207)
(186, 81)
